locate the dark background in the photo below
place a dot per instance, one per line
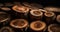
(43, 2)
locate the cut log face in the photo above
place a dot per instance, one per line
(6, 29)
(58, 18)
(52, 9)
(33, 5)
(21, 9)
(4, 17)
(5, 9)
(37, 25)
(19, 23)
(54, 28)
(8, 4)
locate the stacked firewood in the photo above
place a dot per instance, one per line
(29, 17)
